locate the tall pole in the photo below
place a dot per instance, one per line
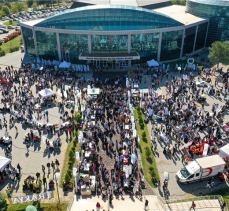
(57, 191)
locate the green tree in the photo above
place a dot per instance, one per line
(71, 154)
(144, 134)
(29, 3)
(3, 205)
(219, 53)
(147, 152)
(18, 7)
(6, 10)
(34, 6)
(2, 14)
(8, 4)
(67, 178)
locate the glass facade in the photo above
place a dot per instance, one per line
(201, 36)
(103, 44)
(47, 45)
(74, 45)
(171, 45)
(28, 41)
(109, 18)
(189, 40)
(146, 45)
(218, 12)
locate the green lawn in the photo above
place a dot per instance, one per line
(224, 193)
(66, 158)
(12, 43)
(146, 162)
(7, 23)
(39, 206)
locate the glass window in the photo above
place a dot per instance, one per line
(189, 40)
(103, 44)
(201, 36)
(28, 41)
(47, 45)
(125, 19)
(171, 45)
(146, 45)
(72, 45)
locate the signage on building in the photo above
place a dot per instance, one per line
(109, 58)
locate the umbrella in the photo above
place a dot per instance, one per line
(203, 95)
(166, 175)
(31, 208)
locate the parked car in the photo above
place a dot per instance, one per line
(1, 32)
(2, 26)
(4, 30)
(11, 27)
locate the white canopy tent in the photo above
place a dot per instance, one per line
(46, 93)
(4, 162)
(224, 151)
(152, 63)
(65, 64)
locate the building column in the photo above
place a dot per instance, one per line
(195, 38)
(23, 40)
(159, 47)
(35, 42)
(182, 43)
(58, 45)
(129, 44)
(129, 63)
(89, 43)
(206, 35)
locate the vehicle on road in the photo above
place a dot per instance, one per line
(201, 83)
(4, 30)
(200, 169)
(11, 27)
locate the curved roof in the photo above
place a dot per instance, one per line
(212, 2)
(108, 18)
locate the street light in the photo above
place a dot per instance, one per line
(56, 177)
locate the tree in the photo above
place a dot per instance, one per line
(7, 4)
(3, 205)
(2, 14)
(71, 154)
(29, 3)
(219, 53)
(6, 10)
(144, 135)
(67, 178)
(18, 7)
(34, 6)
(147, 152)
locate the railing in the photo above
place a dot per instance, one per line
(71, 201)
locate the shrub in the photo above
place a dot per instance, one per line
(138, 108)
(70, 163)
(54, 207)
(67, 177)
(151, 168)
(71, 154)
(73, 149)
(13, 49)
(3, 205)
(10, 21)
(144, 135)
(69, 171)
(79, 119)
(147, 152)
(153, 174)
(75, 142)
(2, 53)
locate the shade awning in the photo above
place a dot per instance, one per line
(46, 93)
(4, 162)
(152, 63)
(65, 65)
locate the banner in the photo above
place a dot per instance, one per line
(31, 198)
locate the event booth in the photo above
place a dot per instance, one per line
(4, 162)
(65, 65)
(46, 93)
(152, 63)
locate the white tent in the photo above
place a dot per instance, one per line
(4, 162)
(152, 63)
(46, 93)
(65, 65)
(224, 151)
(94, 91)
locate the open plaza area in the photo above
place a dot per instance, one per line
(115, 107)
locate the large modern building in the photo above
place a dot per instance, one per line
(106, 31)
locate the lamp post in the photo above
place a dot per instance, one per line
(56, 177)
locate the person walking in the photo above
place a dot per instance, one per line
(16, 130)
(43, 168)
(19, 168)
(27, 146)
(44, 182)
(98, 206)
(193, 206)
(146, 204)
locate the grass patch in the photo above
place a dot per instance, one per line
(39, 206)
(7, 23)
(179, 2)
(148, 162)
(74, 163)
(16, 42)
(224, 192)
